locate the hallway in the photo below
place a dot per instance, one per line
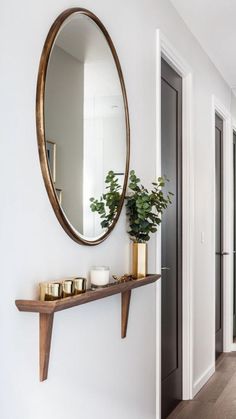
(217, 399)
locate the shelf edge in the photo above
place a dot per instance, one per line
(50, 307)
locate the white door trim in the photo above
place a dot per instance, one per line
(224, 113)
(171, 55)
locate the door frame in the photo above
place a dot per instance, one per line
(227, 146)
(233, 345)
(170, 54)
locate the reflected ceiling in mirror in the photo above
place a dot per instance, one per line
(82, 123)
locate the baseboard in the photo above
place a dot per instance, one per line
(203, 380)
(233, 347)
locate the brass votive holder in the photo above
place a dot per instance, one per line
(68, 288)
(80, 285)
(50, 291)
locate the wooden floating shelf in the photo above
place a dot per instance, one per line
(46, 310)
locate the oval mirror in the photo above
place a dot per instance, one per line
(82, 125)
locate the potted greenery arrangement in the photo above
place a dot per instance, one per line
(144, 211)
(143, 208)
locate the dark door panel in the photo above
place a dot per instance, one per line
(219, 233)
(171, 144)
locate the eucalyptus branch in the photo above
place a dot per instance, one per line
(107, 205)
(144, 209)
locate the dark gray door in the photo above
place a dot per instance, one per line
(171, 152)
(234, 159)
(219, 232)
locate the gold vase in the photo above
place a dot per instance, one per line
(139, 251)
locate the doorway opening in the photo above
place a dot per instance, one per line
(222, 142)
(171, 245)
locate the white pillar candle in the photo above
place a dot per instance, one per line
(99, 275)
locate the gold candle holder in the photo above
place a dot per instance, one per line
(80, 285)
(67, 288)
(50, 291)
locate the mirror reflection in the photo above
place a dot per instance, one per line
(85, 127)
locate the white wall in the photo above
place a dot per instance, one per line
(64, 116)
(93, 374)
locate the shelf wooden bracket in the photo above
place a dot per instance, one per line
(125, 303)
(45, 337)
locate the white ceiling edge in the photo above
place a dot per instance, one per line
(188, 13)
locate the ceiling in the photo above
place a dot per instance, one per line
(213, 24)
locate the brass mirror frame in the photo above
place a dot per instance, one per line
(41, 82)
